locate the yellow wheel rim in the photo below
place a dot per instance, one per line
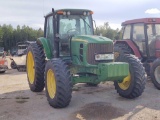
(30, 67)
(126, 82)
(51, 83)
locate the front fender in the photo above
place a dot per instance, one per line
(131, 45)
(43, 41)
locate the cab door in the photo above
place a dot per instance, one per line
(139, 38)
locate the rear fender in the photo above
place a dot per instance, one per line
(131, 45)
(43, 41)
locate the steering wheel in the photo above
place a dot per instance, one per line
(72, 32)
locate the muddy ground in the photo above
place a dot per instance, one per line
(17, 102)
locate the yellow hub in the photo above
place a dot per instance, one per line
(51, 83)
(116, 54)
(124, 85)
(30, 67)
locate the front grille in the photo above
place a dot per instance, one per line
(95, 48)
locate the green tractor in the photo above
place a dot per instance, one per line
(70, 53)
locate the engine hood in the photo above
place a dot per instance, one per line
(91, 39)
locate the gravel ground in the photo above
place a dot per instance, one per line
(17, 102)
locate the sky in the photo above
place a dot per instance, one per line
(32, 12)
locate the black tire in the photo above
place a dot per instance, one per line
(2, 71)
(154, 71)
(39, 66)
(122, 49)
(13, 65)
(92, 84)
(63, 92)
(137, 77)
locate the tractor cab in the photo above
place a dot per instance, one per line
(145, 34)
(65, 24)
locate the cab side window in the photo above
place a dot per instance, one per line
(138, 32)
(139, 37)
(127, 31)
(49, 28)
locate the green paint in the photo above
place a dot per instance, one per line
(101, 72)
(85, 40)
(113, 71)
(85, 79)
(91, 39)
(46, 46)
(83, 69)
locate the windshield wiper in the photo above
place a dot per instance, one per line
(85, 21)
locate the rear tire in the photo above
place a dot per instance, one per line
(35, 63)
(136, 80)
(2, 71)
(58, 83)
(155, 73)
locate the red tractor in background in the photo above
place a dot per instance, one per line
(141, 37)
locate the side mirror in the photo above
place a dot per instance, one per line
(95, 27)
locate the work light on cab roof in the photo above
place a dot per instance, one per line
(65, 12)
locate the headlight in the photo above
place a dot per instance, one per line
(104, 57)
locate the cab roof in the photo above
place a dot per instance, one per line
(80, 10)
(142, 20)
(73, 11)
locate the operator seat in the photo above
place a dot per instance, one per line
(64, 45)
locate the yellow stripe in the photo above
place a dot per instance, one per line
(80, 40)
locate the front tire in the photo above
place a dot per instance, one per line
(133, 85)
(58, 83)
(13, 65)
(155, 73)
(35, 63)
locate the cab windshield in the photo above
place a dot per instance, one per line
(153, 31)
(75, 24)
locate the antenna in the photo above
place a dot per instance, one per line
(53, 10)
(43, 7)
